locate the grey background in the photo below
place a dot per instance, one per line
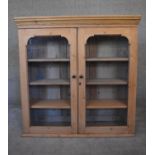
(109, 146)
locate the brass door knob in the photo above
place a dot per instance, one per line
(73, 76)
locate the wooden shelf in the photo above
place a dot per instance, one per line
(107, 82)
(49, 60)
(126, 59)
(106, 104)
(50, 82)
(53, 104)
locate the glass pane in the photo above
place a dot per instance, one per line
(49, 93)
(49, 81)
(48, 47)
(107, 70)
(107, 92)
(106, 80)
(106, 117)
(49, 71)
(50, 117)
(107, 46)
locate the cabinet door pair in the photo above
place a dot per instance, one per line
(78, 80)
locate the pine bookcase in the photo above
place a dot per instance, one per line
(78, 75)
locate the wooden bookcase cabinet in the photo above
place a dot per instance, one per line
(78, 75)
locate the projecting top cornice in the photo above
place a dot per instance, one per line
(75, 21)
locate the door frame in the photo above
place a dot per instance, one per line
(131, 34)
(24, 35)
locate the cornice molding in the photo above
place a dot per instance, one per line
(51, 21)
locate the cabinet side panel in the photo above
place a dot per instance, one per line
(132, 80)
(24, 80)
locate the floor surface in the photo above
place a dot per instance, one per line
(76, 146)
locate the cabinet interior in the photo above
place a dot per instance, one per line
(51, 47)
(106, 80)
(50, 117)
(49, 81)
(108, 117)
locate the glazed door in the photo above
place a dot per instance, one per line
(106, 81)
(48, 60)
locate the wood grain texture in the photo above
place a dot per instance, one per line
(105, 59)
(79, 135)
(74, 83)
(107, 82)
(49, 60)
(106, 104)
(49, 82)
(82, 82)
(50, 129)
(50, 104)
(132, 80)
(24, 80)
(49, 21)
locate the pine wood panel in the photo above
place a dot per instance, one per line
(107, 59)
(106, 104)
(73, 81)
(78, 21)
(50, 104)
(82, 82)
(49, 60)
(107, 82)
(79, 135)
(49, 82)
(106, 129)
(132, 80)
(23, 80)
(50, 129)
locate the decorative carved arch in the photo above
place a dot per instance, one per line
(67, 39)
(121, 35)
